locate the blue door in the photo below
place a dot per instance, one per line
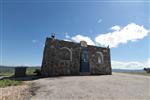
(84, 61)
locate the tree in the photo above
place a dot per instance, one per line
(147, 70)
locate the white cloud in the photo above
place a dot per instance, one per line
(34, 41)
(79, 38)
(116, 28)
(130, 65)
(67, 36)
(147, 63)
(67, 40)
(131, 32)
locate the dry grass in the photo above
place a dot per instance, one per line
(14, 92)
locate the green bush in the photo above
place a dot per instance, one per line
(8, 82)
(30, 71)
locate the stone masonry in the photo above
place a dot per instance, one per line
(69, 58)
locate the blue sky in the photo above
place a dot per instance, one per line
(25, 24)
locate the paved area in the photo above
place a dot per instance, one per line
(107, 87)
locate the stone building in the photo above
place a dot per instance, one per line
(69, 58)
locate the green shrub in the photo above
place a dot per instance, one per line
(38, 72)
(8, 82)
(30, 71)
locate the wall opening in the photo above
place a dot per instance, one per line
(100, 57)
(65, 54)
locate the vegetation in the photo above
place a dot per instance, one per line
(30, 71)
(6, 74)
(38, 72)
(147, 70)
(138, 73)
(9, 71)
(8, 82)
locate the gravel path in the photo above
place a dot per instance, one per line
(107, 87)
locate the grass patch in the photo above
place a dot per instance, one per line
(8, 74)
(8, 82)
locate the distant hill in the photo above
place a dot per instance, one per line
(6, 69)
(17, 66)
(11, 68)
(127, 70)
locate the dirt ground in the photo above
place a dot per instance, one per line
(106, 87)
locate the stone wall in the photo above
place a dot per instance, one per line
(63, 58)
(97, 67)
